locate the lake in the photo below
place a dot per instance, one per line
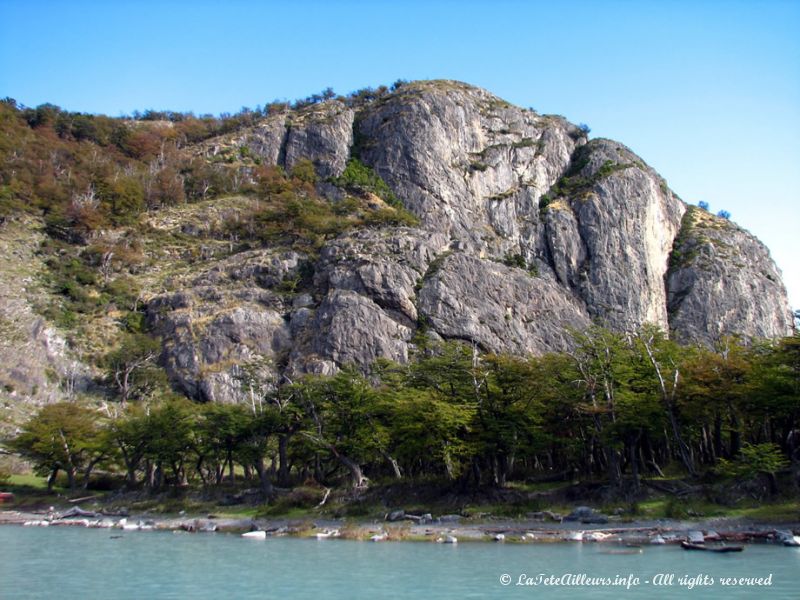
(75, 563)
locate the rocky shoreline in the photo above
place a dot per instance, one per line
(446, 529)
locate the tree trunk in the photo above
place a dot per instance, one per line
(150, 475)
(500, 470)
(718, 436)
(683, 449)
(52, 479)
(736, 435)
(634, 462)
(88, 471)
(130, 477)
(395, 466)
(263, 478)
(70, 477)
(614, 475)
(357, 478)
(773, 484)
(283, 465)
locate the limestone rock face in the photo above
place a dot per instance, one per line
(369, 280)
(500, 308)
(36, 364)
(386, 267)
(226, 321)
(527, 232)
(468, 163)
(322, 133)
(349, 328)
(625, 219)
(267, 139)
(722, 281)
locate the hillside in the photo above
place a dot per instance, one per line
(339, 230)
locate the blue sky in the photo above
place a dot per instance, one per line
(707, 92)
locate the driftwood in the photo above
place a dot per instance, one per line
(77, 511)
(678, 489)
(74, 500)
(325, 497)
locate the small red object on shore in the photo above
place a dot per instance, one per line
(6, 497)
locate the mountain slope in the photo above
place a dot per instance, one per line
(525, 231)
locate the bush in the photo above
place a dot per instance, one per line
(360, 179)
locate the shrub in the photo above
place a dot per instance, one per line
(360, 179)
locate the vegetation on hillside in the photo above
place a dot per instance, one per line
(99, 184)
(621, 410)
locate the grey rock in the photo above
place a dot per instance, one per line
(322, 133)
(787, 538)
(610, 239)
(267, 139)
(37, 365)
(223, 322)
(595, 519)
(385, 266)
(722, 281)
(610, 243)
(449, 519)
(300, 320)
(695, 537)
(499, 308)
(350, 329)
(266, 268)
(579, 513)
(466, 162)
(303, 301)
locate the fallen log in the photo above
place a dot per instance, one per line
(77, 511)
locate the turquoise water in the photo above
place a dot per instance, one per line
(74, 563)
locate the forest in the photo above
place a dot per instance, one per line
(618, 409)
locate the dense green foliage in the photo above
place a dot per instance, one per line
(360, 178)
(618, 408)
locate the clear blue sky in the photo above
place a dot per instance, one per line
(707, 92)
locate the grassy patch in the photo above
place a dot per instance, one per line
(664, 507)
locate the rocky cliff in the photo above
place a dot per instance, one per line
(526, 231)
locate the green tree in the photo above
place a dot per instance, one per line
(131, 367)
(129, 437)
(171, 445)
(62, 437)
(342, 421)
(754, 460)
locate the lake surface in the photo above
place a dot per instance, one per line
(75, 563)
